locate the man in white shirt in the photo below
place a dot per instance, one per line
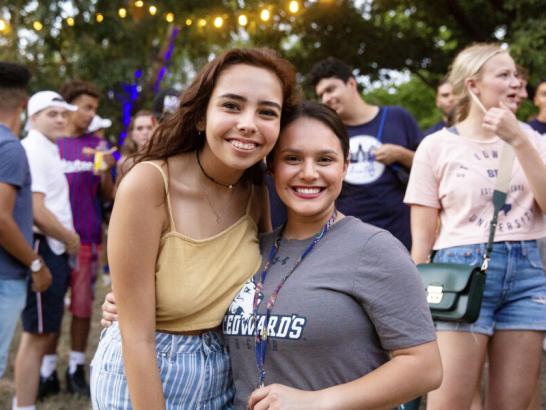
(55, 239)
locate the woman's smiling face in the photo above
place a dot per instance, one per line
(308, 168)
(243, 115)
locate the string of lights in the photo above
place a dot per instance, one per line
(264, 14)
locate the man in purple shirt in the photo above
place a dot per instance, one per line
(88, 186)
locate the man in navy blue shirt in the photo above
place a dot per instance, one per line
(382, 142)
(445, 103)
(17, 257)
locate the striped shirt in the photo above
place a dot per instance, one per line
(84, 185)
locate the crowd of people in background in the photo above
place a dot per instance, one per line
(237, 181)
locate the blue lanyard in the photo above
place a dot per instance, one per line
(382, 124)
(261, 338)
(379, 137)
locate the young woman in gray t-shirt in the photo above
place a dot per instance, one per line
(337, 316)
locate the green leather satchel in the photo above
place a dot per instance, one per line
(454, 291)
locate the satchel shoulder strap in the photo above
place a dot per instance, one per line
(499, 196)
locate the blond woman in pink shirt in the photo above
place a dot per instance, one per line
(452, 181)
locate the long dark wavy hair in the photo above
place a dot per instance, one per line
(179, 134)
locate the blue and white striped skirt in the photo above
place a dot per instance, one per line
(195, 372)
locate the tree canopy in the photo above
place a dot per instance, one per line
(129, 54)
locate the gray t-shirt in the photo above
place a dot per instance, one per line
(14, 170)
(355, 297)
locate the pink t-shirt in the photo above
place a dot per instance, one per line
(457, 175)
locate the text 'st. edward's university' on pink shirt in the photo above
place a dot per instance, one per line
(456, 174)
(84, 185)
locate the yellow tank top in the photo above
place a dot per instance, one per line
(196, 279)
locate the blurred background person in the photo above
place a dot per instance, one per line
(382, 141)
(453, 176)
(139, 132)
(88, 189)
(539, 123)
(55, 239)
(445, 103)
(165, 103)
(98, 126)
(17, 258)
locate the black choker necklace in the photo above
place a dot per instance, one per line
(228, 186)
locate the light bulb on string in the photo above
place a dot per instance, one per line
(218, 22)
(243, 20)
(70, 21)
(152, 10)
(122, 12)
(189, 22)
(139, 3)
(38, 26)
(265, 15)
(99, 17)
(294, 7)
(169, 17)
(4, 26)
(202, 23)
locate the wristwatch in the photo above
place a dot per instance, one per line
(36, 265)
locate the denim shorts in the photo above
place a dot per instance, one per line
(195, 372)
(515, 287)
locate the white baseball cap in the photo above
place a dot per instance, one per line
(45, 99)
(98, 123)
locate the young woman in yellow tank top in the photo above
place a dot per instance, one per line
(183, 237)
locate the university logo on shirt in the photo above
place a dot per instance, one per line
(239, 320)
(363, 168)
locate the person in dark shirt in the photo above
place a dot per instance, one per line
(539, 123)
(445, 103)
(18, 261)
(383, 140)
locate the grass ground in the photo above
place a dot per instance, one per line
(65, 401)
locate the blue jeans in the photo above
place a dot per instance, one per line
(13, 295)
(515, 288)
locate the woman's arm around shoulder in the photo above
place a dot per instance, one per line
(137, 221)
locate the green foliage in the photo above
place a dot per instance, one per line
(415, 96)
(416, 35)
